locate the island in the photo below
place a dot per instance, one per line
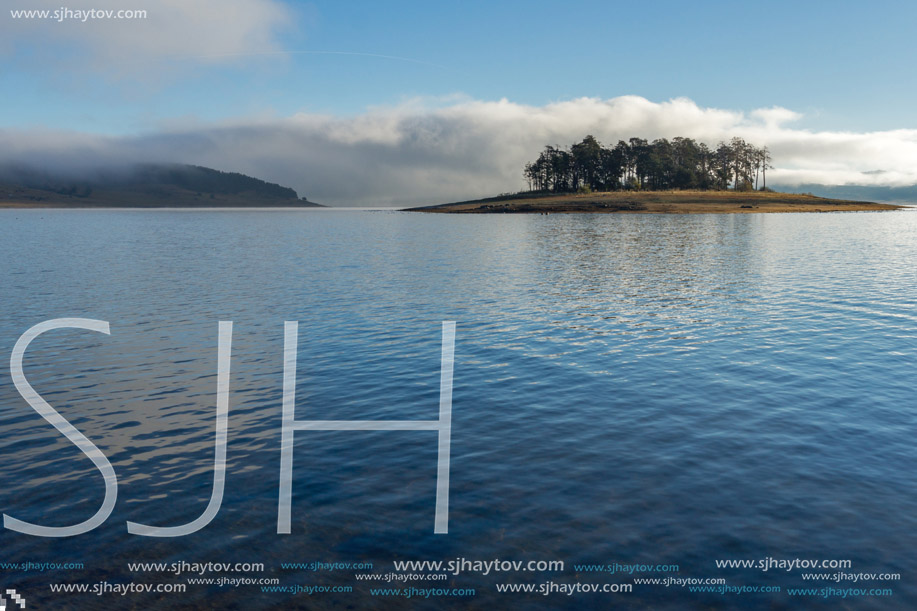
(141, 186)
(659, 202)
(663, 176)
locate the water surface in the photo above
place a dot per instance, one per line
(653, 389)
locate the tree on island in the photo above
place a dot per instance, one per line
(681, 163)
(765, 165)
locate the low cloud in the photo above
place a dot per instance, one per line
(418, 153)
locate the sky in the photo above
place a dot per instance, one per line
(393, 103)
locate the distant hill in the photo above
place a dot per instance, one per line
(141, 186)
(895, 195)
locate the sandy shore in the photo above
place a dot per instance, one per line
(659, 202)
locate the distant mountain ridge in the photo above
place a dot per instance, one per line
(143, 185)
(895, 195)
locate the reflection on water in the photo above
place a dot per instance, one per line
(630, 388)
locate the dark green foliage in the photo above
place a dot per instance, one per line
(681, 163)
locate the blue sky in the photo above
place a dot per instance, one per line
(193, 67)
(845, 65)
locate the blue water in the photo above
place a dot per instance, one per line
(640, 389)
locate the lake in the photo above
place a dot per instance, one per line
(653, 390)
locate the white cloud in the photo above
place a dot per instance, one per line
(179, 32)
(775, 116)
(419, 153)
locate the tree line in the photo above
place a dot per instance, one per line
(637, 164)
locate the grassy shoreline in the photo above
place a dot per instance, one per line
(656, 202)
